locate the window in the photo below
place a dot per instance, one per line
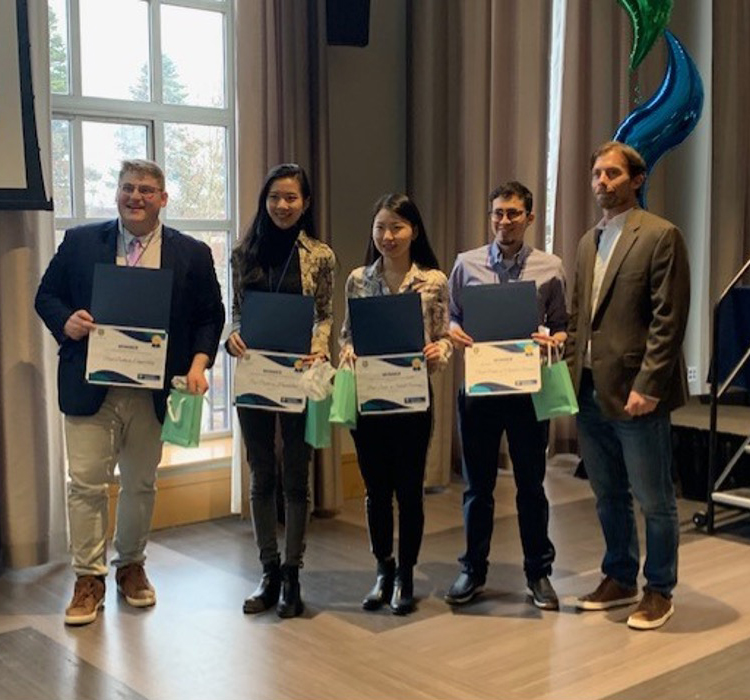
(148, 79)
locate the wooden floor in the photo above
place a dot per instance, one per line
(196, 643)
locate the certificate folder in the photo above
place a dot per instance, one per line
(387, 325)
(500, 311)
(275, 321)
(137, 297)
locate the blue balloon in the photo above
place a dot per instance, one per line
(667, 119)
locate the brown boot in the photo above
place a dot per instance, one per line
(88, 599)
(133, 583)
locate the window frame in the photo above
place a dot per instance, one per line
(154, 114)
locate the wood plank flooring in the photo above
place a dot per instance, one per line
(196, 643)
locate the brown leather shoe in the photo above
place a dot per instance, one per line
(654, 610)
(133, 583)
(88, 599)
(608, 594)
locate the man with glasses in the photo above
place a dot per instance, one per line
(629, 312)
(108, 426)
(483, 420)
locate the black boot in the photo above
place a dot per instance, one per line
(402, 602)
(266, 594)
(290, 601)
(383, 588)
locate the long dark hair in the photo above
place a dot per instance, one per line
(420, 250)
(245, 253)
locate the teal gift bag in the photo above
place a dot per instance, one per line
(344, 403)
(182, 422)
(557, 396)
(317, 425)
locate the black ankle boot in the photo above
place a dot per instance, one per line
(402, 602)
(381, 592)
(266, 594)
(290, 601)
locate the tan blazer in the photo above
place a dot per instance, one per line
(637, 329)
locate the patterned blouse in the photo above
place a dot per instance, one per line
(316, 262)
(432, 287)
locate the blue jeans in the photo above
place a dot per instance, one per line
(626, 458)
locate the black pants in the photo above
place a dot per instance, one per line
(259, 432)
(392, 453)
(482, 422)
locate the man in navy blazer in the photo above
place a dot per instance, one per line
(108, 426)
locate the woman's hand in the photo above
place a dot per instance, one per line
(235, 345)
(347, 357)
(307, 360)
(432, 353)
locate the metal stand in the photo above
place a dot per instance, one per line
(733, 498)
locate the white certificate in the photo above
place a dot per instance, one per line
(392, 383)
(269, 381)
(502, 367)
(124, 356)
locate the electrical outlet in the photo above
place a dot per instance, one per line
(692, 374)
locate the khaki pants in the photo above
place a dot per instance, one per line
(124, 432)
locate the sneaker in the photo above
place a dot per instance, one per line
(88, 599)
(543, 595)
(654, 610)
(135, 586)
(464, 589)
(608, 594)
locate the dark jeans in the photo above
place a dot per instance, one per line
(392, 453)
(259, 432)
(626, 458)
(482, 422)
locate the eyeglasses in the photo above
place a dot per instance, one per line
(143, 190)
(512, 214)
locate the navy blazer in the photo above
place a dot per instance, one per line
(196, 316)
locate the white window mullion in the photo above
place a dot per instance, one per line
(74, 48)
(76, 168)
(155, 43)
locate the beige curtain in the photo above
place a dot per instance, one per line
(478, 83)
(281, 116)
(32, 505)
(730, 187)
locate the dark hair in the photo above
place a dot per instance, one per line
(514, 189)
(635, 161)
(245, 253)
(420, 250)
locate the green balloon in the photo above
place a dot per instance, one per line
(648, 17)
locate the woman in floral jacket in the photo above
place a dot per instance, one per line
(280, 253)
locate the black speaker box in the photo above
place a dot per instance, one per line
(348, 22)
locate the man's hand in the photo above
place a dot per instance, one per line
(639, 405)
(196, 376)
(554, 341)
(79, 324)
(235, 345)
(460, 338)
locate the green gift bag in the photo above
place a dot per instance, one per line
(182, 422)
(557, 396)
(344, 403)
(317, 425)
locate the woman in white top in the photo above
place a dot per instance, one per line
(392, 449)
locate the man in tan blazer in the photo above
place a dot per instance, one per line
(629, 311)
